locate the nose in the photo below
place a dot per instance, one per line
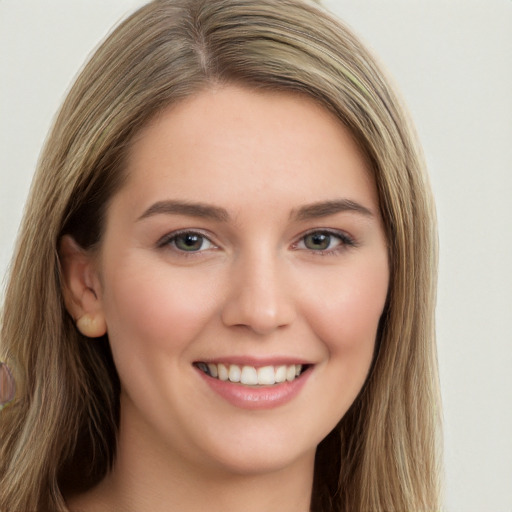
(260, 296)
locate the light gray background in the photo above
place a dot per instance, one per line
(452, 60)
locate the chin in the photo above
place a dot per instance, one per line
(255, 461)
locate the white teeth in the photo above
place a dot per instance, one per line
(213, 370)
(234, 373)
(222, 372)
(281, 374)
(290, 373)
(251, 376)
(266, 375)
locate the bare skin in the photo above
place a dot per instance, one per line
(248, 233)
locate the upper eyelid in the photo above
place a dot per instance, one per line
(331, 231)
(173, 234)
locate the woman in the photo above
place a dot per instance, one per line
(225, 278)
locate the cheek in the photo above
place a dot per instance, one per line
(345, 317)
(156, 306)
(346, 311)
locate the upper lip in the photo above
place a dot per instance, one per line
(257, 362)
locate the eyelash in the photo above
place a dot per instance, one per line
(345, 242)
(170, 240)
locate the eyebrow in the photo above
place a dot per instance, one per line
(206, 211)
(200, 210)
(326, 208)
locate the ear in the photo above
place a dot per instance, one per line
(81, 288)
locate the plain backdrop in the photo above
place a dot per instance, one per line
(452, 62)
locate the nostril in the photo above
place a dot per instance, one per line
(259, 322)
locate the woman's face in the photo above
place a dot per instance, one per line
(246, 244)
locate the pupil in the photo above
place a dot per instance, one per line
(189, 242)
(318, 241)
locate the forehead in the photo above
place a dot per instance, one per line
(230, 144)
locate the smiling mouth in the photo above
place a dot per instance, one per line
(252, 376)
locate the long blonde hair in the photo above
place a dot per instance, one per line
(61, 429)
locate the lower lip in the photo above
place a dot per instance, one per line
(249, 397)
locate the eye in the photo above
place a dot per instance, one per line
(187, 241)
(320, 241)
(324, 241)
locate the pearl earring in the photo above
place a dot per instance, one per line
(91, 326)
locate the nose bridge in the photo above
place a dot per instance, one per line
(260, 295)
